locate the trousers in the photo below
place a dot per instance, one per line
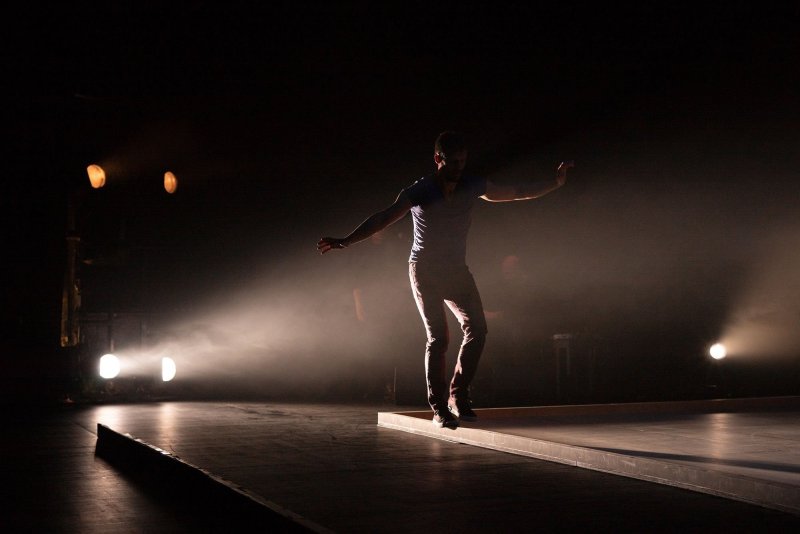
(433, 288)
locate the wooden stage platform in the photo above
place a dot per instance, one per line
(744, 449)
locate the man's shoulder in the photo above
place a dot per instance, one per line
(422, 182)
(420, 187)
(430, 181)
(474, 178)
(476, 183)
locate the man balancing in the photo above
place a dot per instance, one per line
(441, 205)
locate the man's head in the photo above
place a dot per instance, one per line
(450, 155)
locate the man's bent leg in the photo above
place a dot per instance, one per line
(467, 306)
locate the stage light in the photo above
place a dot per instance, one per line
(170, 182)
(718, 351)
(97, 176)
(109, 366)
(168, 369)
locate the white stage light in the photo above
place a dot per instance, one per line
(718, 351)
(109, 366)
(168, 369)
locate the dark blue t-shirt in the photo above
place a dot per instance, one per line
(441, 226)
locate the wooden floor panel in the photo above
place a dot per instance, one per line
(745, 449)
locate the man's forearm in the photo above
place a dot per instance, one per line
(528, 191)
(372, 225)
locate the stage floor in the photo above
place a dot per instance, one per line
(333, 466)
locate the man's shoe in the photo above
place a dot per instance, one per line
(462, 410)
(444, 419)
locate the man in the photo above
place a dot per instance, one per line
(441, 205)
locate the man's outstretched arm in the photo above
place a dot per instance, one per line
(506, 193)
(374, 224)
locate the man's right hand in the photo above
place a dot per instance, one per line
(326, 244)
(561, 173)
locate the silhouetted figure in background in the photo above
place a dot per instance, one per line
(441, 205)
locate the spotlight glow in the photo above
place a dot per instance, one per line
(170, 182)
(718, 351)
(97, 176)
(168, 369)
(109, 366)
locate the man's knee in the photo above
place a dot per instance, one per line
(437, 345)
(475, 332)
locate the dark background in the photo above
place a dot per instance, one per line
(293, 121)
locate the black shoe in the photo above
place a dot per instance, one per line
(462, 410)
(443, 418)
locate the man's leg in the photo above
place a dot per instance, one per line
(430, 302)
(465, 302)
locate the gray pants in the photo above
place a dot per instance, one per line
(433, 287)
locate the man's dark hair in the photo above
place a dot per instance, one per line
(449, 142)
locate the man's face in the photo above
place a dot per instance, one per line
(451, 165)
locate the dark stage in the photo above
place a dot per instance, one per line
(330, 467)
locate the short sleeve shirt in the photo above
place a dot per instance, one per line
(441, 225)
